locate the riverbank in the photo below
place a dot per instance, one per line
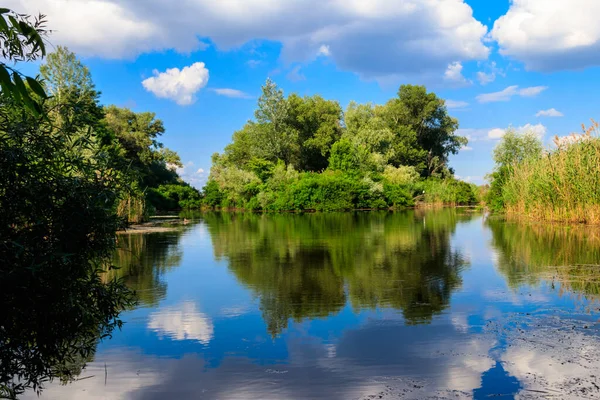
(558, 184)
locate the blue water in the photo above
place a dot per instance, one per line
(439, 304)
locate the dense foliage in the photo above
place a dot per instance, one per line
(304, 153)
(58, 195)
(559, 184)
(130, 139)
(72, 172)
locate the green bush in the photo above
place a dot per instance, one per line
(213, 196)
(398, 195)
(175, 197)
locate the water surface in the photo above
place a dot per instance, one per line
(415, 304)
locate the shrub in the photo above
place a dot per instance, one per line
(175, 197)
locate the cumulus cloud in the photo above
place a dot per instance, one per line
(454, 104)
(193, 175)
(454, 76)
(234, 93)
(466, 148)
(509, 93)
(551, 112)
(178, 85)
(379, 39)
(550, 35)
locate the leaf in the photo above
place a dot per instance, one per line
(3, 24)
(14, 22)
(5, 78)
(20, 84)
(4, 10)
(36, 87)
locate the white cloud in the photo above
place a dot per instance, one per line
(454, 75)
(485, 78)
(191, 174)
(182, 322)
(324, 51)
(379, 39)
(538, 129)
(295, 75)
(466, 148)
(234, 93)
(573, 138)
(454, 104)
(510, 92)
(496, 133)
(180, 86)
(532, 91)
(551, 112)
(550, 35)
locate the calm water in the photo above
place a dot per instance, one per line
(438, 304)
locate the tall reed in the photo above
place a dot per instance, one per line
(563, 185)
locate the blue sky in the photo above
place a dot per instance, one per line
(499, 63)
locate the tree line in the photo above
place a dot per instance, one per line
(306, 153)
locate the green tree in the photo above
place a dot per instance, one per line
(317, 127)
(513, 149)
(516, 147)
(422, 124)
(138, 135)
(63, 72)
(275, 138)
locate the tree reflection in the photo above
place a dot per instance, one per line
(143, 259)
(309, 266)
(569, 255)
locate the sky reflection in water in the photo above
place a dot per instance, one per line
(340, 306)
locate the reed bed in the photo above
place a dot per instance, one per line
(561, 186)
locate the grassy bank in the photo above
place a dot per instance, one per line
(561, 184)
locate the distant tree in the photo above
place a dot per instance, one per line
(138, 135)
(516, 147)
(63, 71)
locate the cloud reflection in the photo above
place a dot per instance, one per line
(182, 322)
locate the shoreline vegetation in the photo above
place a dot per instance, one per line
(558, 184)
(307, 154)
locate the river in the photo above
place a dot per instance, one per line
(414, 304)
